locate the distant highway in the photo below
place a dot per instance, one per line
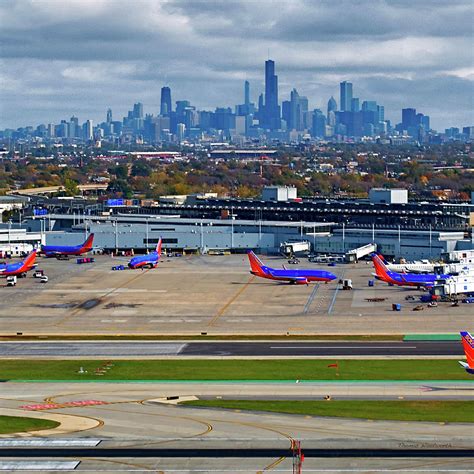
(78, 349)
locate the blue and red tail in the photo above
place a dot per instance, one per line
(468, 346)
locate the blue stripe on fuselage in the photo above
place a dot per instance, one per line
(403, 278)
(299, 273)
(61, 248)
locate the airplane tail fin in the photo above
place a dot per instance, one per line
(468, 345)
(384, 260)
(30, 259)
(255, 263)
(88, 243)
(380, 268)
(158, 247)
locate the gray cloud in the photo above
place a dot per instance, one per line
(82, 56)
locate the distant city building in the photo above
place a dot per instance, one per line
(271, 116)
(346, 95)
(165, 103)
(355, 106)
(332, 105)
(138, 110)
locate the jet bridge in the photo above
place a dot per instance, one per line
(356, 254)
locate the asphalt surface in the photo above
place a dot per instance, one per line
(229, 453)
(229, 349)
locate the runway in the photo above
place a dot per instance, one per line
(143, 349)
(134, 430)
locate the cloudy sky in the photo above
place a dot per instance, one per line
(65, 57)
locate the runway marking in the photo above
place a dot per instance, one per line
(227, 305)
(310, 298)
(239, 320)
(342, 347)
(177, 320)
(113, 320)
(331, 306)
(272, 465)
(142, 468)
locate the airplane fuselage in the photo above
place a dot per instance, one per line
(149, 260)
(295, 276)
(19, 268)
(402, 279)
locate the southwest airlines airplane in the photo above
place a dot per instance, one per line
(59, 250)
(403, 279)
(150, 260)
(468, 345)
(19, 268)
(298, 277)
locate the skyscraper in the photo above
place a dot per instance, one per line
(332, 105)
(138, 110)
(247, 93)
(272, 110)
(165, 106)
(294, 123)
(346, 95)
(355, 107)
(109, 115)
(408, 118)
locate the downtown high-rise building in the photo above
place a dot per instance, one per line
(271, 114)
(165, 103)
(346, 96)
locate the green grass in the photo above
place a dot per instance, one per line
(274, 369)
(438, 411)
(15, 424)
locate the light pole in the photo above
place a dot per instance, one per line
(146, 220)
(116, 237)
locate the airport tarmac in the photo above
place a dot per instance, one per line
(134, 418)
(230, 349)
(213, 295)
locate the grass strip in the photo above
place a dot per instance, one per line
(436, 411)
(16, 424)
(232, 370)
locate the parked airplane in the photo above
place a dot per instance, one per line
(66, 250)
(403, 279)
(416, 267)
(150, 260)
(468, 345)
(19, 268)
(299, 277)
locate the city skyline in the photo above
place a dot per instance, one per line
(84, 57)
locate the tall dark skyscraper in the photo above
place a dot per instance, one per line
(165, 106)
(408, 118)
(247, 94)
(346, 96)
(272, 109)
(109, 115)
